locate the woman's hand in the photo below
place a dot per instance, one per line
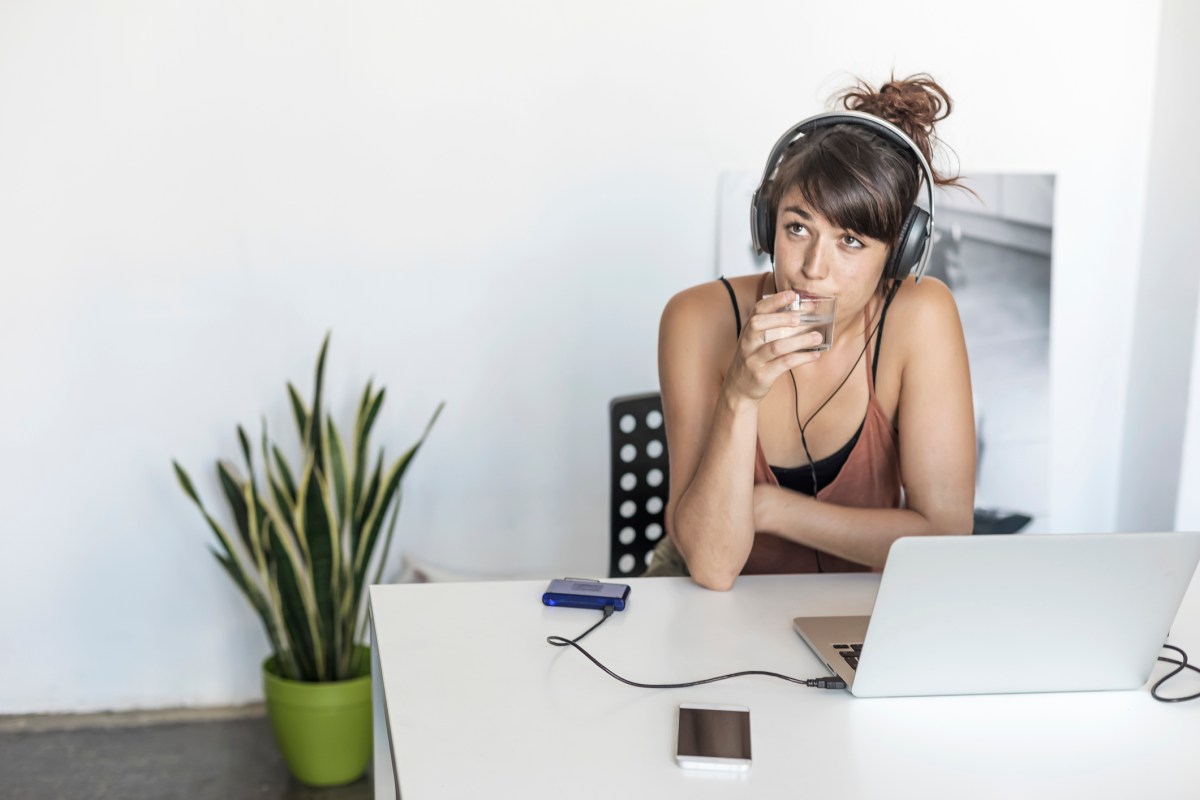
(771, 507)
(768, 348)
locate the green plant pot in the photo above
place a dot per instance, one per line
(323, 729)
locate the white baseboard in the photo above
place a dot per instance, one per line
(41, 723)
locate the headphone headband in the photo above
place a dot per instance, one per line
(893, 134)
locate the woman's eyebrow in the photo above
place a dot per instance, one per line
(798, 211)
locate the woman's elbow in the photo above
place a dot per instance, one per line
(958, 522)
(709, 572)
(715, 580)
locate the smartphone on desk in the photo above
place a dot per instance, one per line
(713, 737)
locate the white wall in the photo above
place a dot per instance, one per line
(1168, 286)
(1187, 503)
(1175, 247)
(487, 203)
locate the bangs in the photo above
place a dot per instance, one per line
(851, 184)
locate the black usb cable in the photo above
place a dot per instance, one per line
(828, 682)
(1180, 666)
(832, 682)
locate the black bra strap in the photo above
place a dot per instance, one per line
(879, 331)
(737, 312)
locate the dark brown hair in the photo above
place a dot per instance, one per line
(853, 176)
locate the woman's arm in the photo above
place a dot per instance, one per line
(936, 423)
(710, 404)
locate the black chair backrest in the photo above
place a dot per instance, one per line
(640, 478)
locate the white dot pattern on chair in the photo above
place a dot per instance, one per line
(649, 557)
(640, 478)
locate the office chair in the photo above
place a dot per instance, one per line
(640, 477)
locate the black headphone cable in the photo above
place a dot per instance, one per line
(891, 293)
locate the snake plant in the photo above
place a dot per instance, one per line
(306, 539)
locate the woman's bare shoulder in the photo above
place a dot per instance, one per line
(708, 303)
(924, 315)
(698, 326)
(928, 303)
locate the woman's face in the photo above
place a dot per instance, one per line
(814, 256)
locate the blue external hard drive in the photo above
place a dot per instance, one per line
(586, 593)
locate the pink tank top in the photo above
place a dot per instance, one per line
(870, 478)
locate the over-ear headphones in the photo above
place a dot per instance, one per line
(911, 253)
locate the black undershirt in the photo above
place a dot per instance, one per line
(800, 479)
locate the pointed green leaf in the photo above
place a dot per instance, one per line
(265, 613)
(298, 597)
(360, 614)
(254, 528)
(367, 503)
(360, 450)
(387, 542)
(337, 460)
(285, 580)
(299, 412)
(246, 448)
(313, 438)
(186, 483)
(371, 414)
(321, 537)
(226, 543)
(282, 499)
(375, 521)
(285, 475)
(234, 489)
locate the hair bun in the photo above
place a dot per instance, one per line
(914, 105)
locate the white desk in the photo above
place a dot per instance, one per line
(479, 705)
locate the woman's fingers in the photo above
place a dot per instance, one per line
(773, 341)
(789, 352)
(763, 328)
(775, 302)
(767, 329)
(793, 342)
(768, 361)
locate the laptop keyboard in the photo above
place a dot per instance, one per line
(850, 653)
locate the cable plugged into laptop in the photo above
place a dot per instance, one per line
(830, 682)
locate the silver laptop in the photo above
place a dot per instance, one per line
(1022, 613)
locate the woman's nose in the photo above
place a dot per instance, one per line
(816, 261)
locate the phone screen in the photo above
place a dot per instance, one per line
(714, 733)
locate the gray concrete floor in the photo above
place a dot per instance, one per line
(226, 759)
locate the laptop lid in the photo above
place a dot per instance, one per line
(1023, 613)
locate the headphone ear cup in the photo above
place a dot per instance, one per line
(763, 229)
(909, 245)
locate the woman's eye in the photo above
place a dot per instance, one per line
(850, 241)
(795, 228)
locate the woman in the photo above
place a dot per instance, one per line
(879, 427)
